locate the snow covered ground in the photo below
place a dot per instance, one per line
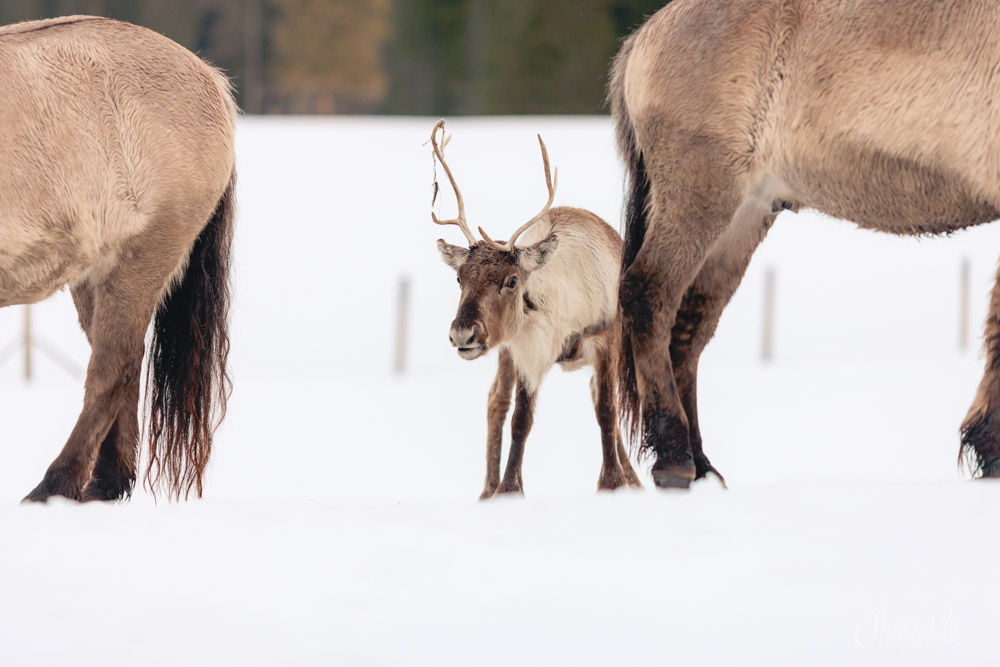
(339, 524)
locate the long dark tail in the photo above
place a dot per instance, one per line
(633, 233)
(188, 383)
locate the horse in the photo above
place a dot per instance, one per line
(881, 112)
(118, 181)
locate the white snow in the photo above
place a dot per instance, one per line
(339, 524)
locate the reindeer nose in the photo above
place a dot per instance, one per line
(462, 336)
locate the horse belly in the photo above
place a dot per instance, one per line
(887, 114)
(886, 193)
(36, 261)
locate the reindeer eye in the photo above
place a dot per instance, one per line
(459, 279)
(512, 282)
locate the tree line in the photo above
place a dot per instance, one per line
(420, 57)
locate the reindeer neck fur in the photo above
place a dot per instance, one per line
(572, 292)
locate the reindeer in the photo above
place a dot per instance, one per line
(729, 111)
(550, 300)
(118, 180)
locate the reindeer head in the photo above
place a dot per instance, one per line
(492, 274)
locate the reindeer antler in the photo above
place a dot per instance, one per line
(439, 154)
(551, 183)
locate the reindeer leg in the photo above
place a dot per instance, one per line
(701, 309)
(602, 390)
(524, 412)
(630, 475)
(980, 430)
(693, 197)
(499, 403)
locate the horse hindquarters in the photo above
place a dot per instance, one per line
(187, 360)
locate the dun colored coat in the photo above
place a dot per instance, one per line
(883, 112)
(117, 180)
(549, 300)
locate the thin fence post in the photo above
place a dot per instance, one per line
(27, 343)
(767, 334)
(964, 300)
(402, 317)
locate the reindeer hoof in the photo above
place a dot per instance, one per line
(609, 481)
(488, 492)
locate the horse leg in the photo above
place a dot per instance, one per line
(980, 431)
(115, 470)
(701, 308)
(524, 415)
(117, 336)
(693, 197)
(602, 390)
(122, 306)
(496, 411)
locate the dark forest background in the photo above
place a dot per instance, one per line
(427, 57)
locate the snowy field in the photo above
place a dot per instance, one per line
(340, 524)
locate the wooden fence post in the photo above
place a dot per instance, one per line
(27, 343)
(964, 300)
(767, 337)
(402, 317)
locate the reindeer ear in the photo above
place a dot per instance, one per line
(453, 255)
(536, 255)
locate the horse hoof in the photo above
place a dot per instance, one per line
(53, 484)
(37, 495)
(718, 476)
(674, 475)
(665, 479)
(991, 470)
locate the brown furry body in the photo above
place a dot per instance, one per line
(118, 181)
(727, 111)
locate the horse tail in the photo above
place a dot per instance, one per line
(188, 383)
(633, 233)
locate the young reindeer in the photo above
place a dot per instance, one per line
(550, 299)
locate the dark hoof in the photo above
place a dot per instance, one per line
(674, 475)
(40, 494)
(506, 489)
(666, 479)
(52, 485)
(715, 473)
(488, 492)
(991, 471)
(710, 471)
(611, 481)
(109, 483)
(94, 491)
(37, 495)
